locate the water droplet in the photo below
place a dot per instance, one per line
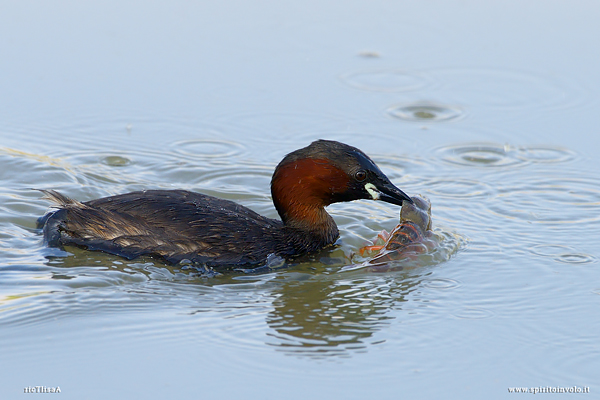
(479, 155)
(425, 112)
(115, 161)
(369, 54)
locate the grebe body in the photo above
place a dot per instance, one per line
(178, 225)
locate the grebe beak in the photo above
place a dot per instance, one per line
(386, 191)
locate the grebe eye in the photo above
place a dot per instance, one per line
(360, 175)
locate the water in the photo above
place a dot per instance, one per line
(488, 110)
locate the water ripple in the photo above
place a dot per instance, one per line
(387, 80)
(550, 201)
(507, 89)
(441, 283)
(458, 188)
(488, 88)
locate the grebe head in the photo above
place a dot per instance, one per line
(326, 172)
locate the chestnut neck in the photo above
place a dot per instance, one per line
(301, 189)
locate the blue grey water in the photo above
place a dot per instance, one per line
(490, 109)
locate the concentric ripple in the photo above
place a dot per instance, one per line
(562, 253)
(550, 250)
(576, 258)
(497, 155)
(425, 112)
(269, 128)
(207, 148)
(474, 313)
(458, 188)
(441, 283)
(546, 154)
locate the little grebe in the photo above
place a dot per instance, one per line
(177, 225)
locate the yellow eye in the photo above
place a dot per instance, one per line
(360, 175)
